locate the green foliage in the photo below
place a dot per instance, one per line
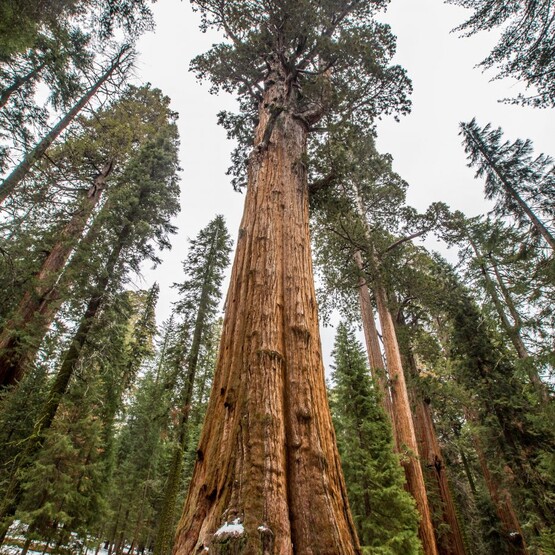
(511, 171)
(200, 294)
(515, 428)
(21, 22)
(384, 512)
(207, 259)
(24, 23)
(515, 285)
(334, 55)
(63, 487)
(525, 49)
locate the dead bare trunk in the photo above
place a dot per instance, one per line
(267, 459)
(404, 427)
(34, 313)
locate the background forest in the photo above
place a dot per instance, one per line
(119, 204)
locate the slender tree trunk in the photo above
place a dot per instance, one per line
(165, 536)
(121, 540)
(404, 427)
(536, 222)
(47, 545)
(115, 529)
(18, 174)
(18, 83)
(267, 458)
(26, 546)
(99, 540)
(37, 307)
(512, 330)
(432, 459)
(166, 529)
(12, 495)
(503, 503)
(139, 523)
(375, 359)
(62, 536)
(468, 472)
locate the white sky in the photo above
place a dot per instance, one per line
(425, 145)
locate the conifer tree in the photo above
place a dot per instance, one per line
(54, 62)
(206, 261)
(25, 24)
(367, 215)
(385, 514)
(512, 437)
(509, 272)
(109, 140)
(62, 489)
(139, 216)
(10, 183)
(513, 178)
(294, 65)
(525, 47)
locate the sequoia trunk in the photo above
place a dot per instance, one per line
(267, 462)
(377, 366)
(503, 503)
(404, 427)
(451, 542)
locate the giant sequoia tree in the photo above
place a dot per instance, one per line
(267, 460)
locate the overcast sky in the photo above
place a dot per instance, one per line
(425, 145)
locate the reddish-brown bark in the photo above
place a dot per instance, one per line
(22, 334)
(452, 541)
(267, 456)
(430, 454)
(375, 359)
(404, 427)
(503, 503)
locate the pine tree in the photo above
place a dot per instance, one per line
(207, 259)
(512, 435)
(513, 178)
(510, 275)
(385, 514)
(109, 140)
(10, 183)
(22, 26)
(525, 47)
(62, 489)
(140, 215)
